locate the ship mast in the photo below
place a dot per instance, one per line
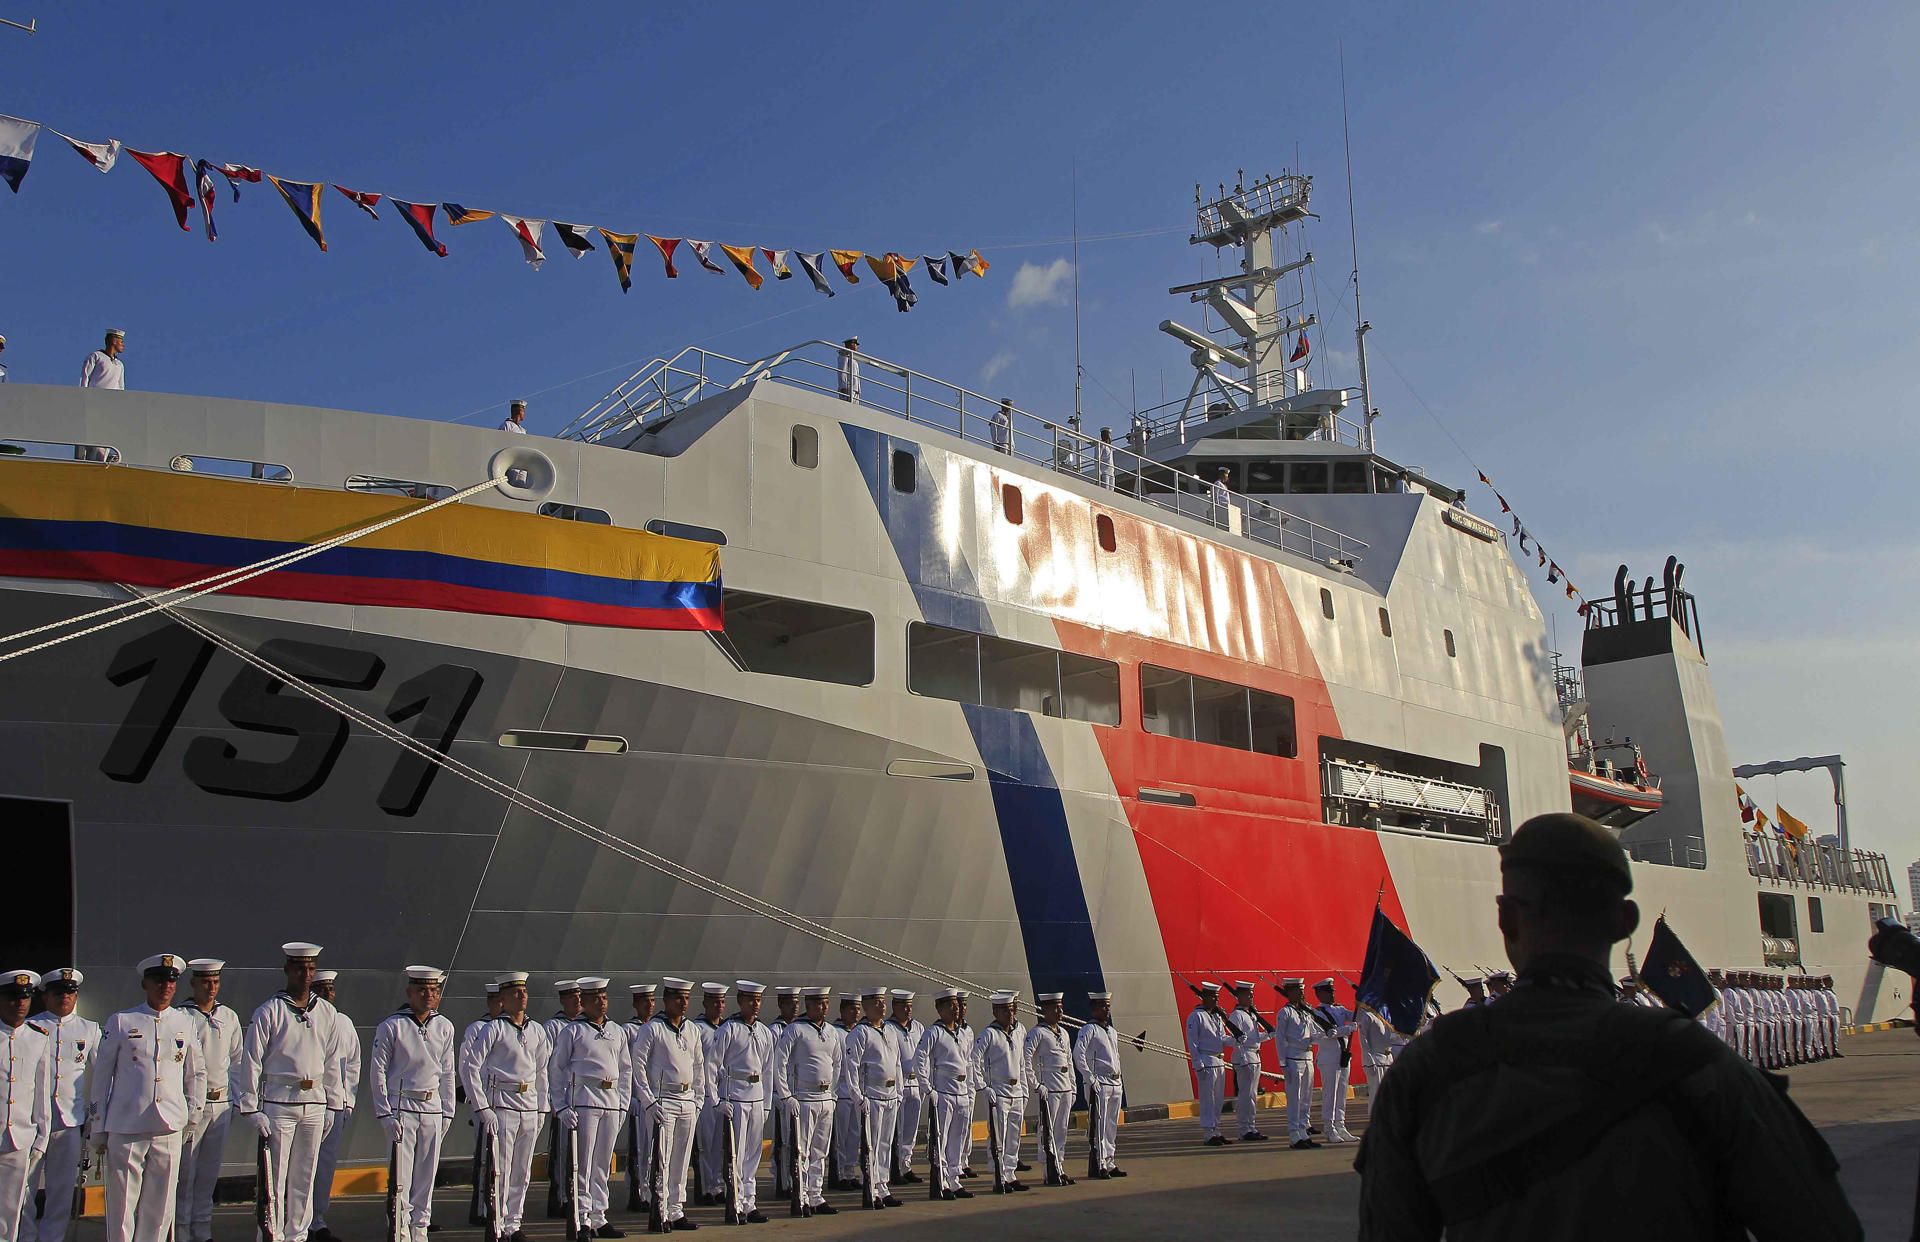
(1361, 326)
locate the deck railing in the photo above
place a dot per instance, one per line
(1816, 863)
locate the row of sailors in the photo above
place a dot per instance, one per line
(1305, 1038)
(1776, 1020)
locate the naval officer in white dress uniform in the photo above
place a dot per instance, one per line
(1050, 1070)
(1000, 1067)
(289, 1080)
(1295, 1034)
(1250, 1030)
(75, 1041)
(25, 1124)
(873, 1072)
(206, 1140)
(1209, 1041)
(945, 1064)
(410, 1080)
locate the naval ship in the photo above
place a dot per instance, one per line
(966, 684)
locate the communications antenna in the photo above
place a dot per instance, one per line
(29, 27)
(1361, 326)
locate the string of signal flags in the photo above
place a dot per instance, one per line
(195, 183)
(1555, 574)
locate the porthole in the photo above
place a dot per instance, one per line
(1103, 530)
(1386, 624)
(1448, 635)
(1010, 503)
(806, 446)
(1326, 603)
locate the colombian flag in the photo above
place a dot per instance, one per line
(304, 198)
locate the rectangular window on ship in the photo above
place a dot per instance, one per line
(796, 638)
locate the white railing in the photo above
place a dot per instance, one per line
(1367, 786)
(668, 385)
(1811, 862)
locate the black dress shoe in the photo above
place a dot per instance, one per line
(1116, 1172)
(967, 1171)
(756, 1217)
(1312, 1130)
(825, 1209)
(890, 1201)
(518, 1235)
(1215, 1141)
(683, 1223)
(806, 1211)
(1065, 1180)
(1022, 1167)
(1302, 1144)
(947, 1194)
(962, 1193)
(608, 1231)
(1017, 1184)
(322, 1235)
(909, 1178)
(1100, 1175)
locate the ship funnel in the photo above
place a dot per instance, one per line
(522, 472)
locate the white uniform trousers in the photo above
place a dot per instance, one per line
(907, 1128)
(416, 1160)
(953, 1131)
(1211, 1083)
(749, 1119)
(677, 1123)
(1003, 1131)
(712, 1170)
(201, 1147)
(1103, 1129)
(816, 1135)
(15, 1166)
(883, 1116)
(141, 1173)
(519, 1135)
(1246, 1086)
(846, 1140)
(58, 1170)
(1058, 1107)
(293, 1155)
(1299, 1098)
(1377, 1068)
(599, 1129)
(1333, 1089)
(332, 1133)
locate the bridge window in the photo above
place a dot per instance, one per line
(806, 446)
(1219, 713)
(1103, 530)
(1349, 476)
(1266, 478)
(797, 638)
(945, 663)
(1308, 477)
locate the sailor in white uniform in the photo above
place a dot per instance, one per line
(740, 1060)
(1715, 1016)
(639, 1138)
(844, 1169)
(873, 1071)
(482, 1150)
(1295, 1033)
(1209, 1041)
(75, 1041)
(1333, 1052)
(592, 1082)
(206, 1140)
(906, 1033)
(669, 1082)
(559, 1177)
(1250, 1030)
(1096, 1055)
(1476, 987)
(850, 371)
(806, 1071)
(1050, 1070)
(516, 417)
(103, 368)
(706, 1134)
(147, 1086)
(945, 1065)
(1379, 1043)
(510, 1094)
(347, 1040)
(787, 997)
(27, 1122)
(289, 1079)
(1830, 1005)
(1000, 1066)
(966, 1035)
(410, 1078)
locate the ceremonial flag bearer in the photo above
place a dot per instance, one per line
(148, 1086)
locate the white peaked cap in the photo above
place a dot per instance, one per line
(160, 961)
(902, 994)
(642, 989)
(206, 965)
(426, 974)
(676, 985)
(325, 976)
(20, 980)
(593, 983)
(747, 987)
(65, 974)
(714, 989)
(1004, 998)
(1325, 983)
(511, 977)
(298, 949)
(817, 990)
(563, 986)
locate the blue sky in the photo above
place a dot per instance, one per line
(1651, 266)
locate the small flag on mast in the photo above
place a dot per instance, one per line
(814, 266)
(456, 214)
(742, 259)
(528, 231)
(844, 260)
(666, 246)
(574, 237)
(703, 251)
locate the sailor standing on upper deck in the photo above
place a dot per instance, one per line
(516, 417)
(850, 370)
(1222, 499)
(411, 1076)
(288, 1080)
(1003, 426)
(103, 368)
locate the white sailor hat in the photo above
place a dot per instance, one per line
(902, 994)
(786, 989)
(166, 965)
(562, 986)
(947, 994)
(1471, 980)
(873, 990)
(1044, 997)
(675, 985)
(66, 976)
(325, 976)
(1243, 985)
(117, 332)
(747, 987)
(425, 974)
(816, 990)
(592, 983)
(1100, 996)
(511, 978)
(1292, 983)
(848, 998)
(1209, 987)
(1324, 983)
(493, 989)
(206, 965)
(18, 983)
(299, 950)
(642, 989)
(714, 989)
(1004, 997)
(1501, 974)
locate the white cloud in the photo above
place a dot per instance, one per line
(996, 364)
(1034, 285)
(1487, 226)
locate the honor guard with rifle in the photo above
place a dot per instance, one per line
(74, 1042)
(1295, 1033)
(510, 1093)
(148, 1086)
(873, 1071)
(25, 1120)
(484, 1174)
(1499, 983)
(806, 1071)
(1209, 1042)
(708, 1146)
(669, 1082)
(945, 1064)
(334, 1132)
(843, 1161)
(1250, 1030)
(1096, 1054)
(289, 1082)
(1333, 1051)
(1000, 1067)
(410, 1079)
(206, 1142)
(967, 1036)
(559, 1176)
(592, 1080)
(1050, 1070)
(787, 997)
(639, 1138)
(1476, 991)
(740, 1060)
(906, 1033)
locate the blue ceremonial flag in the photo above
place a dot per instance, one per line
(1670, 973)
(1397, 979)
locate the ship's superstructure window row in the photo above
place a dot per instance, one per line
(682, 530)
(798, 638)
(1219, 713)
(576, 513)
(966, 667)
